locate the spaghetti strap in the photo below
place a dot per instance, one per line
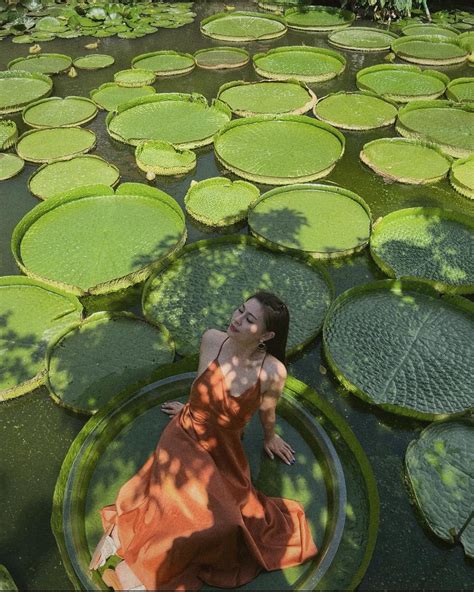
(219, 352)
(260, 371)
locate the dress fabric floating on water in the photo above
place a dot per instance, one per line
(191, 515)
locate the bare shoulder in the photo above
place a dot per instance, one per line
(212, 336)
(274, 374)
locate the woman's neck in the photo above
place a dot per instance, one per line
(241, 351)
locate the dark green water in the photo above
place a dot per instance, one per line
(35, 433)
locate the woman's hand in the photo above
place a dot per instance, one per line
(172, 408)
(278, 446)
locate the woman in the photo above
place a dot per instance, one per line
(191, 515)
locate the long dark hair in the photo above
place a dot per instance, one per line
(276, 317)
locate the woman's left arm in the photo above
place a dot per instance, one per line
(273, 443)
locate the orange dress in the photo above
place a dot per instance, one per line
(191, 515)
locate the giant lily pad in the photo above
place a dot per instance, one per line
(430, 51)
(462, 176)
(320, 220)
(110, 95)
(101, 356)
(79, 171)
(221, 58)
(134, 77)
(430, 29)
(279, 149)
(6, 580)
(45, 63)
(18, 88)
(428, 243)
(10, 165)
(162, 158)
(185, 120)
(362, 39)
(32, 313)
(92, 241)
(165, 63)
(448, 125)
(243, 26)
(219, 201)
(440, 471)
(406, 160)
(266, 98)
(47, 145)
(402, 83)
(8, 133)
(210, 278)
(318, 18)
(461, 89)
(94, 61)
(393, 342)
(59, 112)
(309, 64)
(355, 111)
(466, 41)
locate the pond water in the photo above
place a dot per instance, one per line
(35, 433)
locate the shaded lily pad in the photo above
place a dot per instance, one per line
(45, 63)
(362, 39)
(165, 62)
(210, 278)
(134, 77)
(252, 148)
(439, 466)
(59, 177)
(101, 356)
(461, 89)
(6, 580)
(426, 243)
(32, 313)
(402, 83)
(393, 342)
(220, 202)
(185, 120)
(93, 241)
(8, 133)
(18, 88)
(323, 221)
(10, 165)
(462, 176)
(430, 29)
(221, 58)
(94, 61)
(406, 160)
(243, 26)
(59, 112)
(430, 51)
(246, 99)
(466, 41)
(318, 18)
(162, 158)
(49, 144)
(355, 111)
(110, 95)
(309, 64)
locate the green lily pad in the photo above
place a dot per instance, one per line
(20, 39)
(466, 41)
(95, 61)
(430, 51)
(461, 89)
(393, 342)
(6, 580)
(462, 176)
(49, 24)
(92, 241)
(165, 63)
(185, 120)
(221, 58)
(406, 160)
(243, 26)
(101, 356)
(309, 64)
(110, 95)
(64, 175)
(362, 39)
(318, 18)
(8, 133)
(430, 29)
(402, 83)
(42, 36)
(162, 158)
(355, 110)
(32, 314)
(18, 88)
(278, 150)
(210, 278)
(50, 144)
(439, 468)
(134, 77)
(220, 202)
(59, 112)
(448, 125)
(45, 63)
(267, 98)
(323, 221)
(10, 165)
(426, 243)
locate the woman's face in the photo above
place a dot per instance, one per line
(247, 323)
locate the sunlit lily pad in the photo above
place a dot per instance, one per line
(461, 89)
(18, 88)
(355, 111)
(59, 112)
(466, 41)
(362, 39)
(427, 243)
(393, 343)
(243, 26)
(8, 133)
(430, 51)
(49, 144)
(162, 158)
(220, 202)
(10, 165)
(94, 61)
(165, 62)
(110, 95)
(430, 29)
(318, 18)
(462, 176)
(134, 77)
(221, 58)
(45, 63)
(101, 356)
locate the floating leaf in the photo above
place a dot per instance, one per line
(10, 165)
(462, 176)
(318, 18)
(165, 63)
(59, 112)
(94, 62)
(47, 145)
(46, 63)
(220, 58)
(243, 26)
(110, 95)
(362, 39)
(461, 89)
(162, 158)
(8, 133)
(134, 77)
(18, 88)
(430, 50)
